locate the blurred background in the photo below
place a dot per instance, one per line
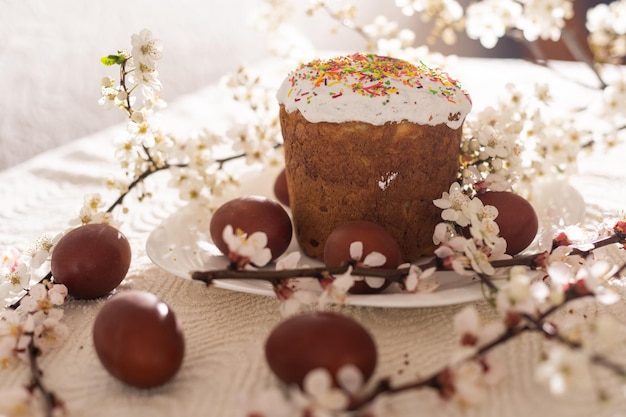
(49, 56)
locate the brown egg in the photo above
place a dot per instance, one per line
(138, 339)
(91, 260)
(516, 218)
(319, 340)
(253, 214)
(280, 188)
(374, 237)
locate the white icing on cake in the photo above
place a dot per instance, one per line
(374, 89)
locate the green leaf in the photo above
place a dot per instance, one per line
(112, 59)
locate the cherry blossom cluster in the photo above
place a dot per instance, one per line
(318, 397)
(490, 20)
(30, 323)
(196, 162)
(137, 93)
(256, 136)
(467, 255)
(484, 20)
(446, 15)
(606, 24)
(513, 143)
(19, 269)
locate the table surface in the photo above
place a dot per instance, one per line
(225, 331)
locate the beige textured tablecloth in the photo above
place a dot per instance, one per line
(225, 331)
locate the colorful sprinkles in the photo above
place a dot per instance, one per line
(370, 76)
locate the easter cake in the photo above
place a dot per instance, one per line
(373, 138)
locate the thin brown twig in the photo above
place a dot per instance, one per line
(394, 275)
(538, 324)
(573, 46)
(50, 400)
(435, 379)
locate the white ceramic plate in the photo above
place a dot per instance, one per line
(181, 245)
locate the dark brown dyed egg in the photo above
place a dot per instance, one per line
(516, 219)
(138, 339)
(253, 214)
(374, 237)
(91, 260)
(319, 340)
(280, 188)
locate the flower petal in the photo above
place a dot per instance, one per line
(374, 259)
(356, 250)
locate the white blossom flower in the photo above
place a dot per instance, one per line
(9, 260)
(613, 97)
(607, 31)
(41, 250)
(544, 18)
(142, 66)
(468, 381)
(451, 249)
(497, 182)
(472, 332)
(90, 212)
(610, 17)
(319, 398)
(190, 186)
(18, 278)
(596, 276)
(484, 228)
(109, 98)
(419, 281)
(522, 293)
(50, 333)
(143, 128)
(447, 16)
(88, 216)
(450, 8)
(479, 257)
(255, 140)
(350, 378)
(246, 247)
(318, 384)
(443, 232)
(42, 297)
(452, 259)
(457, 207)
(489, 20)
(335, 289)
(57, 294)
(372, 259)
(146, 76)
(146, 49)
(270, 15)
(564, 369)
(292, 292)
(15, 335)
(381, 27)
(491, 142)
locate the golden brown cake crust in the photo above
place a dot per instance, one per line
(388, 174)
